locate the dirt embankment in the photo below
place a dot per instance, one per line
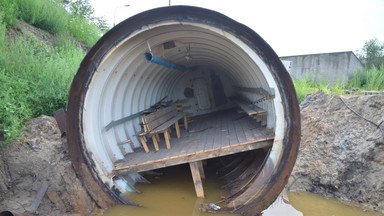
(341, 154)
(43, 156)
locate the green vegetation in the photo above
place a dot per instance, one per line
(369, 78)
(308, 86)
(365, 79)
(8, 12)
(372, 54)
(35, 75)
(50, 15)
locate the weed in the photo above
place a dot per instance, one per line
(49, 15)
(35, 79)
(368, 79)
(9, 12)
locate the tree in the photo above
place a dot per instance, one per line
(84, 9)
(372, 53)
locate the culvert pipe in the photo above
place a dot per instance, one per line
(229, 60)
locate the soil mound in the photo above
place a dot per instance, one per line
(24, 166)
(341, 154)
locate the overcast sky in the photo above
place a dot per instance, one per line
(290, 27)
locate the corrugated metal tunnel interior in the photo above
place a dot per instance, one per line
(124, 83)
(114, 81)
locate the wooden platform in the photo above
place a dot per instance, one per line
(209, 136)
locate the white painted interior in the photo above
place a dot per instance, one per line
(125, 84)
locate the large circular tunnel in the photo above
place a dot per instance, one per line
(116, 80)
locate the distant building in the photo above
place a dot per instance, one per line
(338, 66)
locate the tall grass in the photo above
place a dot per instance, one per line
(49, 15)
(35, 79)
(368, 79)
(9, 12)
(44, 14)
(364, 79)
(307, 85)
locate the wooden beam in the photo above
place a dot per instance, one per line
(201, 169)
(185, 123)
(158, 137)
(144, 144)
(177, 129)
(155, 142)
(197, 179)
(167, 139)
(122, 167)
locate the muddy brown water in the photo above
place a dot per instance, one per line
(173, 194)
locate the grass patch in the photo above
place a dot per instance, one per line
(35, 79)
(308, 86)
(9, 12)
(51, 16)
(364, 79)
(83, 30)
(368, 79)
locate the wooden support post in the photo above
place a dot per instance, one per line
(158, 137)
(197, 179)
(185, 123)
(201, 169)
(144, 144)
(155, 142)
(177, 129)
(167, 138)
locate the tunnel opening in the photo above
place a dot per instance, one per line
(182, 85)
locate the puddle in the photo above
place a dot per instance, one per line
(173, 194)
(314, 205)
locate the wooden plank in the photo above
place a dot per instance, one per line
(194, 156)
(232, 132)
(155, 119)
(224, 131)
(197, 179)
(155, 115)
(248, 134)
(239, 131)
(255, 110)
(168, 123)
(216, 134)
(161, 118)
(198, 135)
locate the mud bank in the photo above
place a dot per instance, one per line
(42, 156)
(342, 155)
